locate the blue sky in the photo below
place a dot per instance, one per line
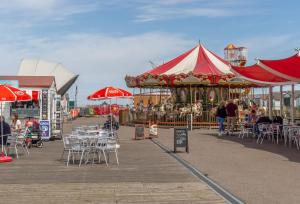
(105, 40)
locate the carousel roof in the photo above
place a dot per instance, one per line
(197, 66)
(256, 74)
(273, 72)
(199, 61)
(288, 68)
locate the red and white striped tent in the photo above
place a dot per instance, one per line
(198, 61)
(196, 66)
(272, 72)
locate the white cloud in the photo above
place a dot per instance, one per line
(16, 14)
(99, 59)
(175, 9)
(28, 4)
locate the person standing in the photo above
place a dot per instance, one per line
(221, 116)
(232, 113)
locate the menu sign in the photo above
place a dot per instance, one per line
(58, 115)
(44, 104)
(181, 139)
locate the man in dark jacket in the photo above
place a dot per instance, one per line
(232, 114)
(4, 130)
(221, 116)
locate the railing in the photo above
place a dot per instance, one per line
(205, 120)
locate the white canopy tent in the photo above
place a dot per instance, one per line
(64, 78)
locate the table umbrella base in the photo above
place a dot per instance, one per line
(4, 158)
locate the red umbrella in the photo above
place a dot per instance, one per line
(10, 94)
(109, 93)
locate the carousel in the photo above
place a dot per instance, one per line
(196, 81)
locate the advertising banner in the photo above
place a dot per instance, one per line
(45, 129)
(44, 104)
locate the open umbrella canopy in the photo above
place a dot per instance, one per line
(12, 94)
(108, 93)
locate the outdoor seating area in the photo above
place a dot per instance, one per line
(276, 133)
(88, 144)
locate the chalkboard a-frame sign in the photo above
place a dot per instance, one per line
(181, 139)
(139, 132)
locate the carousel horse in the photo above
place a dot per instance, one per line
(169, 107)
(183, 111)
(197, 109)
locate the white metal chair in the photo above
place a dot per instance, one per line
(264, 131)
(112, 147)
(294, 136)
(245, 130)
(75, 147)
(67, 145)
(101, 148)
(275, 128)
(15, 142)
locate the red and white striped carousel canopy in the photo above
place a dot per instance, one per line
(199, 61)
(273, 72)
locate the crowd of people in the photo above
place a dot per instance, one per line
(230, 111)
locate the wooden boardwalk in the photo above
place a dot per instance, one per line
(146, 175)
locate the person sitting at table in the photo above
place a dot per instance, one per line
(4, 130)
(16, 123)
(278, 119)
(262, 119)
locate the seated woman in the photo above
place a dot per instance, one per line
(16, 124)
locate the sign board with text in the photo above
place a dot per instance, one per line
(44, 104)
(181, 139)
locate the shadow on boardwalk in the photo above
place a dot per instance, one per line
(291, 153)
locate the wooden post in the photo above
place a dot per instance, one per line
(292, 104)
(270, 102)
(221, 94)
(191, 102)
(281, 101)
(160, 96)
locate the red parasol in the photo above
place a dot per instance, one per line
(108, 93)
(10, 94)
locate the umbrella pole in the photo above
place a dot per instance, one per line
(2, 147)
(110, 117)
